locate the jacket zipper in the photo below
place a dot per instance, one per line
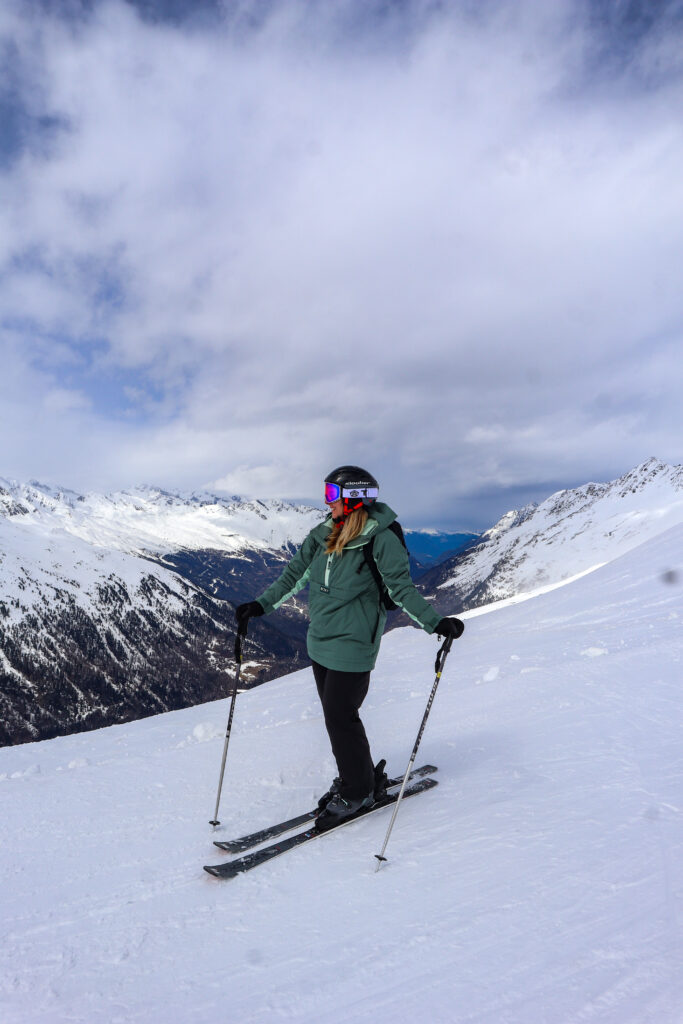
(328, 567)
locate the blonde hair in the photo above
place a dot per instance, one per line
(351, 528)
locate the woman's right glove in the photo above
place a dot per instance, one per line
(244, 612)
(450, 627)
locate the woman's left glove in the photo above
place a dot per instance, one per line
(450, 627)
(244, 612)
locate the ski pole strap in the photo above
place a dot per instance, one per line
(441, 655)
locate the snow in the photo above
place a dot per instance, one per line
(540, 883)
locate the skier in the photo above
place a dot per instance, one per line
(347, 618)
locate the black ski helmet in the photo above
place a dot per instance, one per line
(357, 486)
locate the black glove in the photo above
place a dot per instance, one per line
(244, 612)
(450, 627)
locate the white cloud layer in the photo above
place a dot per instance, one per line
(438, 245)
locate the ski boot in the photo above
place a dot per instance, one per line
(332, 791)
(380, 786)
(339, 809)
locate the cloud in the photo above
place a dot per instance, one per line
(437, 241)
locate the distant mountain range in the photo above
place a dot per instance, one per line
(117, 606)
(430, 547)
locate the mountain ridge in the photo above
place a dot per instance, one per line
(116, 607)
(571, 531)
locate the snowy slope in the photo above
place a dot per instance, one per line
(570, 532)
(540, 883)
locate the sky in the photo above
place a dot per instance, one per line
(244, 243)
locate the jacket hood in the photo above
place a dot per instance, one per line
(382, 514)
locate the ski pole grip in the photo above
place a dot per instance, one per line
(238, 647)
(441, 655)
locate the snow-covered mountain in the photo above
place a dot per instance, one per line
(147, 520)
(541, 882)
(116, 606)
(569, 533)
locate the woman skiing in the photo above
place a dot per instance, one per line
(347, 620)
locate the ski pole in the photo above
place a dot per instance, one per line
(238, 659)
(440, 662)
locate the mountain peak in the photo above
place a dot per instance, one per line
(650, 469)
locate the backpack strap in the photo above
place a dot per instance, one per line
(369, 560)
(397, 530)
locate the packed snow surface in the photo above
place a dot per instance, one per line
(540, 883)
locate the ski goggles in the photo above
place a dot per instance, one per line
(333, 492)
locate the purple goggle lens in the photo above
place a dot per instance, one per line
(332, 493)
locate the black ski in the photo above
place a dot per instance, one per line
(251, 860)
(262, 836)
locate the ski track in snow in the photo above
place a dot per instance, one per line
(540, 883)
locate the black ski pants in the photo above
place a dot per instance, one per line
(341, 695)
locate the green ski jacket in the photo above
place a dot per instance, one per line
(347, 616)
